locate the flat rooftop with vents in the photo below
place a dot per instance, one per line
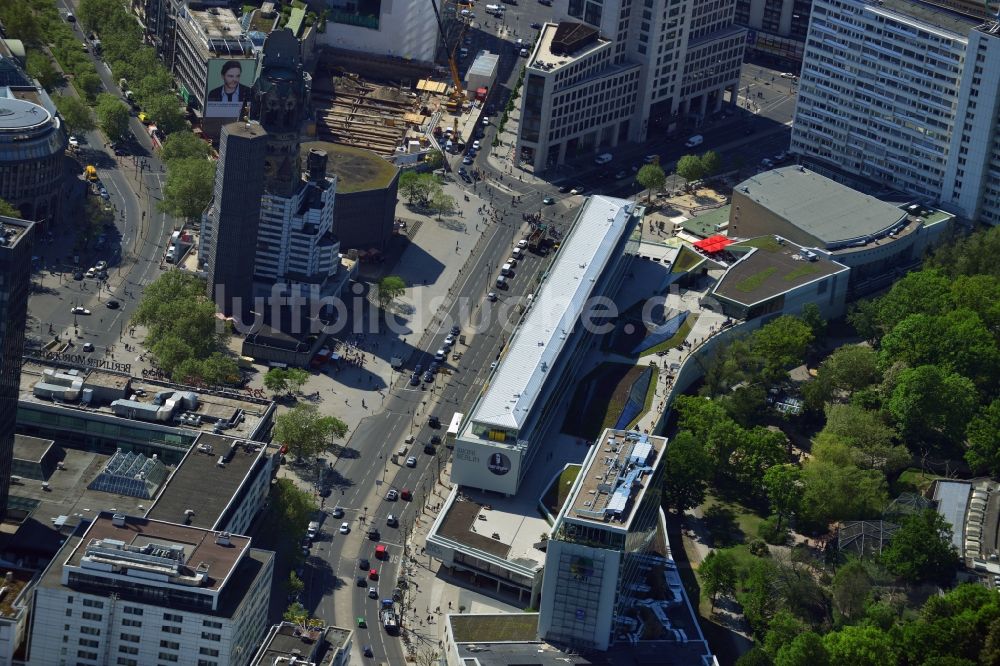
(614, 481)
(201, 491)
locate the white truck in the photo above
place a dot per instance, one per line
(695, 140)
(389, 621)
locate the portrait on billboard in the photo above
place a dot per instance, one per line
(228, 87)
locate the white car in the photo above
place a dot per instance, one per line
(522, 244)
(577, 190)
(75, 142)
(491, 297)
(475, 144)
(101, 265)
(411, 462)
(373, 593)
(787, 75)
(392, 495)
(91, 273)
(345, 528)
(80, 311)
(450, 340)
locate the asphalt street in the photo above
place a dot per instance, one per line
(133, 249)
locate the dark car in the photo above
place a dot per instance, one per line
(434, 367)
(455, 330)
(536, 26)
(374, 535)
(435, 439)
(434, 422)
(414, 379)
(120, 152)
(368, 651)
(564, 189)
(428, 377)
(362, 582)
(429, 449)
(113, 304)
(363, 563)
(78, 275)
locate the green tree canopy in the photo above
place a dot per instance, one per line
(784, 489)
(419, 188)
(39, 66)
(180, 320)
(867, 434)
(112, 116)
(75, 113)
(921, 549)
(717, 573)
(839, 492)
(932, 407)
(687, 467)
(806, 649)
(305, 431)
(974, 254)
(711, 163)
(276, 380)
(188, 189)
(689, 167)
(390, 288)
(861, 646)
(165, 110)
(652, 178)
(8, 210)
(296, 378)
(983, 439)
(849, 591)
(184, 145)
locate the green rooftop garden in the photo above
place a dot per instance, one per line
(753, 282)
(510, 627)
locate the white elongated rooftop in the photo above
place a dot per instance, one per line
(539, 339)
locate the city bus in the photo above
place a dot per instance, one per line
(452, 434)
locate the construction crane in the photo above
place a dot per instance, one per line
(457, 97)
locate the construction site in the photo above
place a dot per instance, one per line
(386, 105)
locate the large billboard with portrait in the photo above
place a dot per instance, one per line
(228, 85)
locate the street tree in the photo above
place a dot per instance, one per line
(717, 574)
(296, 613)
(276, 380)
(711, 163)
(188, 189)
(20, 22)
(921, 550)
(687, 467)
(295, 584)
(39, 66)
(389, 289)
(184, 145)
(441, 203)
(8, 210)
(165, 110)
(784, 490)
(689, 167)
(416, 187)
(305, 431)
(75, 113)
(112, 116)
(219, 369)
(296, 378)
(179, 319)
(652, 178)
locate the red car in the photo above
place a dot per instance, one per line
(373, 574)
(406, 495)
(380, 552)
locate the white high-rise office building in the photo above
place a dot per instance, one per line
(625, 70)
(132, 591)
(904, 93)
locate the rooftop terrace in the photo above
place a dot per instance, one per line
(771, 269)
